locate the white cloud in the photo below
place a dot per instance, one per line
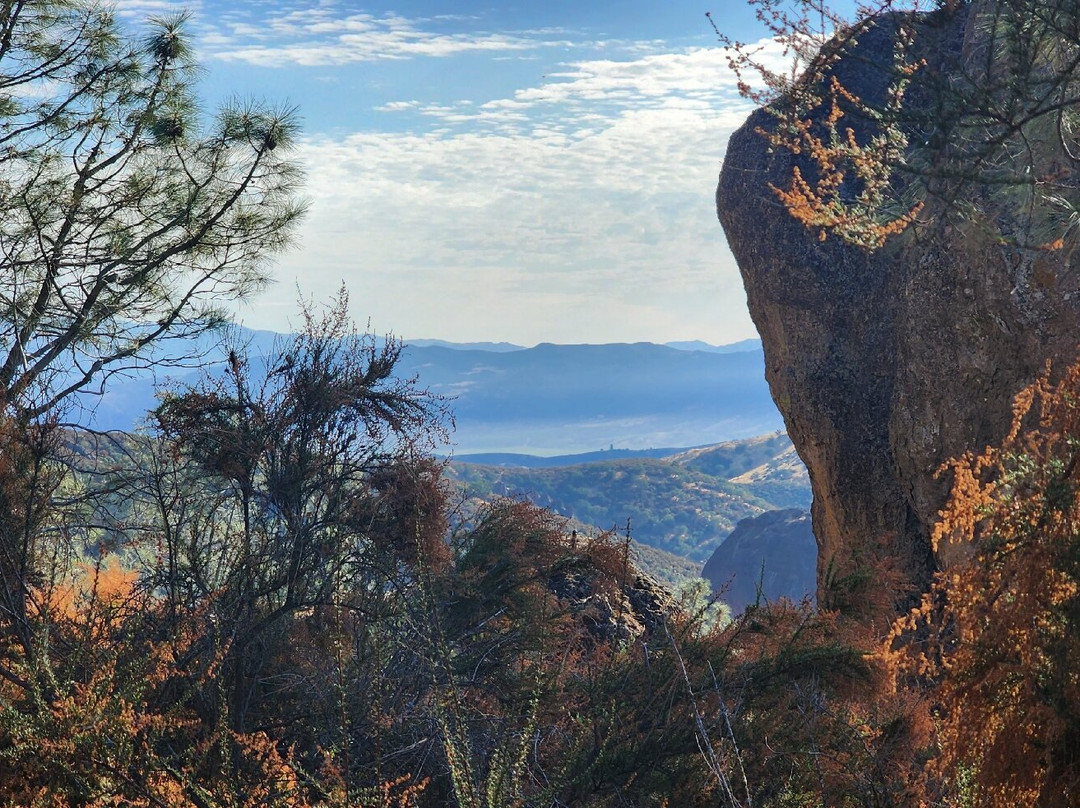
(141, 9)
(327, 35)
(589, 218)
(320, 36)
(576, 209)
(595, 91)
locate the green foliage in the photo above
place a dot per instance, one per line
(671, 507)
(126, 221)
(667, 569)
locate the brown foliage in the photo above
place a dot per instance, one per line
(28, 480)
(844, 180)
(912, 112)
(281, 618)
(408, 511)
(998, 637)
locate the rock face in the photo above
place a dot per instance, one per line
(624, 613)
(886, 364)
(775, 551)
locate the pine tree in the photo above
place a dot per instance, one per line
(126, 220)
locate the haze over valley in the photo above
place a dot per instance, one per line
(545, 400)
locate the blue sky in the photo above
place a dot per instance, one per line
(519, 171)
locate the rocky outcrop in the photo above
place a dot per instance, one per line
(771, 554)
(886, 364)
(611, 611)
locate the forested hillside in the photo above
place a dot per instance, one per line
(685, 503)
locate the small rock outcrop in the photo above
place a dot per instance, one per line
(886, 364)
(612, 611)
(773, 553)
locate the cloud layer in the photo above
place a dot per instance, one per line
(574, 208)
(322, 35)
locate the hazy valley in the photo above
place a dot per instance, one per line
(545, 400)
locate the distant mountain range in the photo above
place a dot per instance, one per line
(548, 399)
(503, 347)
(561, 399)
(734, 347)
(493, 347)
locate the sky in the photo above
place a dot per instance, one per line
(531, 171)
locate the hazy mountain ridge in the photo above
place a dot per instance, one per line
(548, 461)
(558, 399)
(549, 399)
(753, 344)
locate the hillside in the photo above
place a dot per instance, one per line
(684, 504)
(547, 461)
(767, 466)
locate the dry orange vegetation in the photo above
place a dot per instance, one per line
(250, 635)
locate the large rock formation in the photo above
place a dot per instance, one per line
(886, 364)
(771, 555)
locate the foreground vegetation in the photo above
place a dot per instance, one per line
(263, 602)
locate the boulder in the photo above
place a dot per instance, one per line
(886, 364)
(772, 555)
